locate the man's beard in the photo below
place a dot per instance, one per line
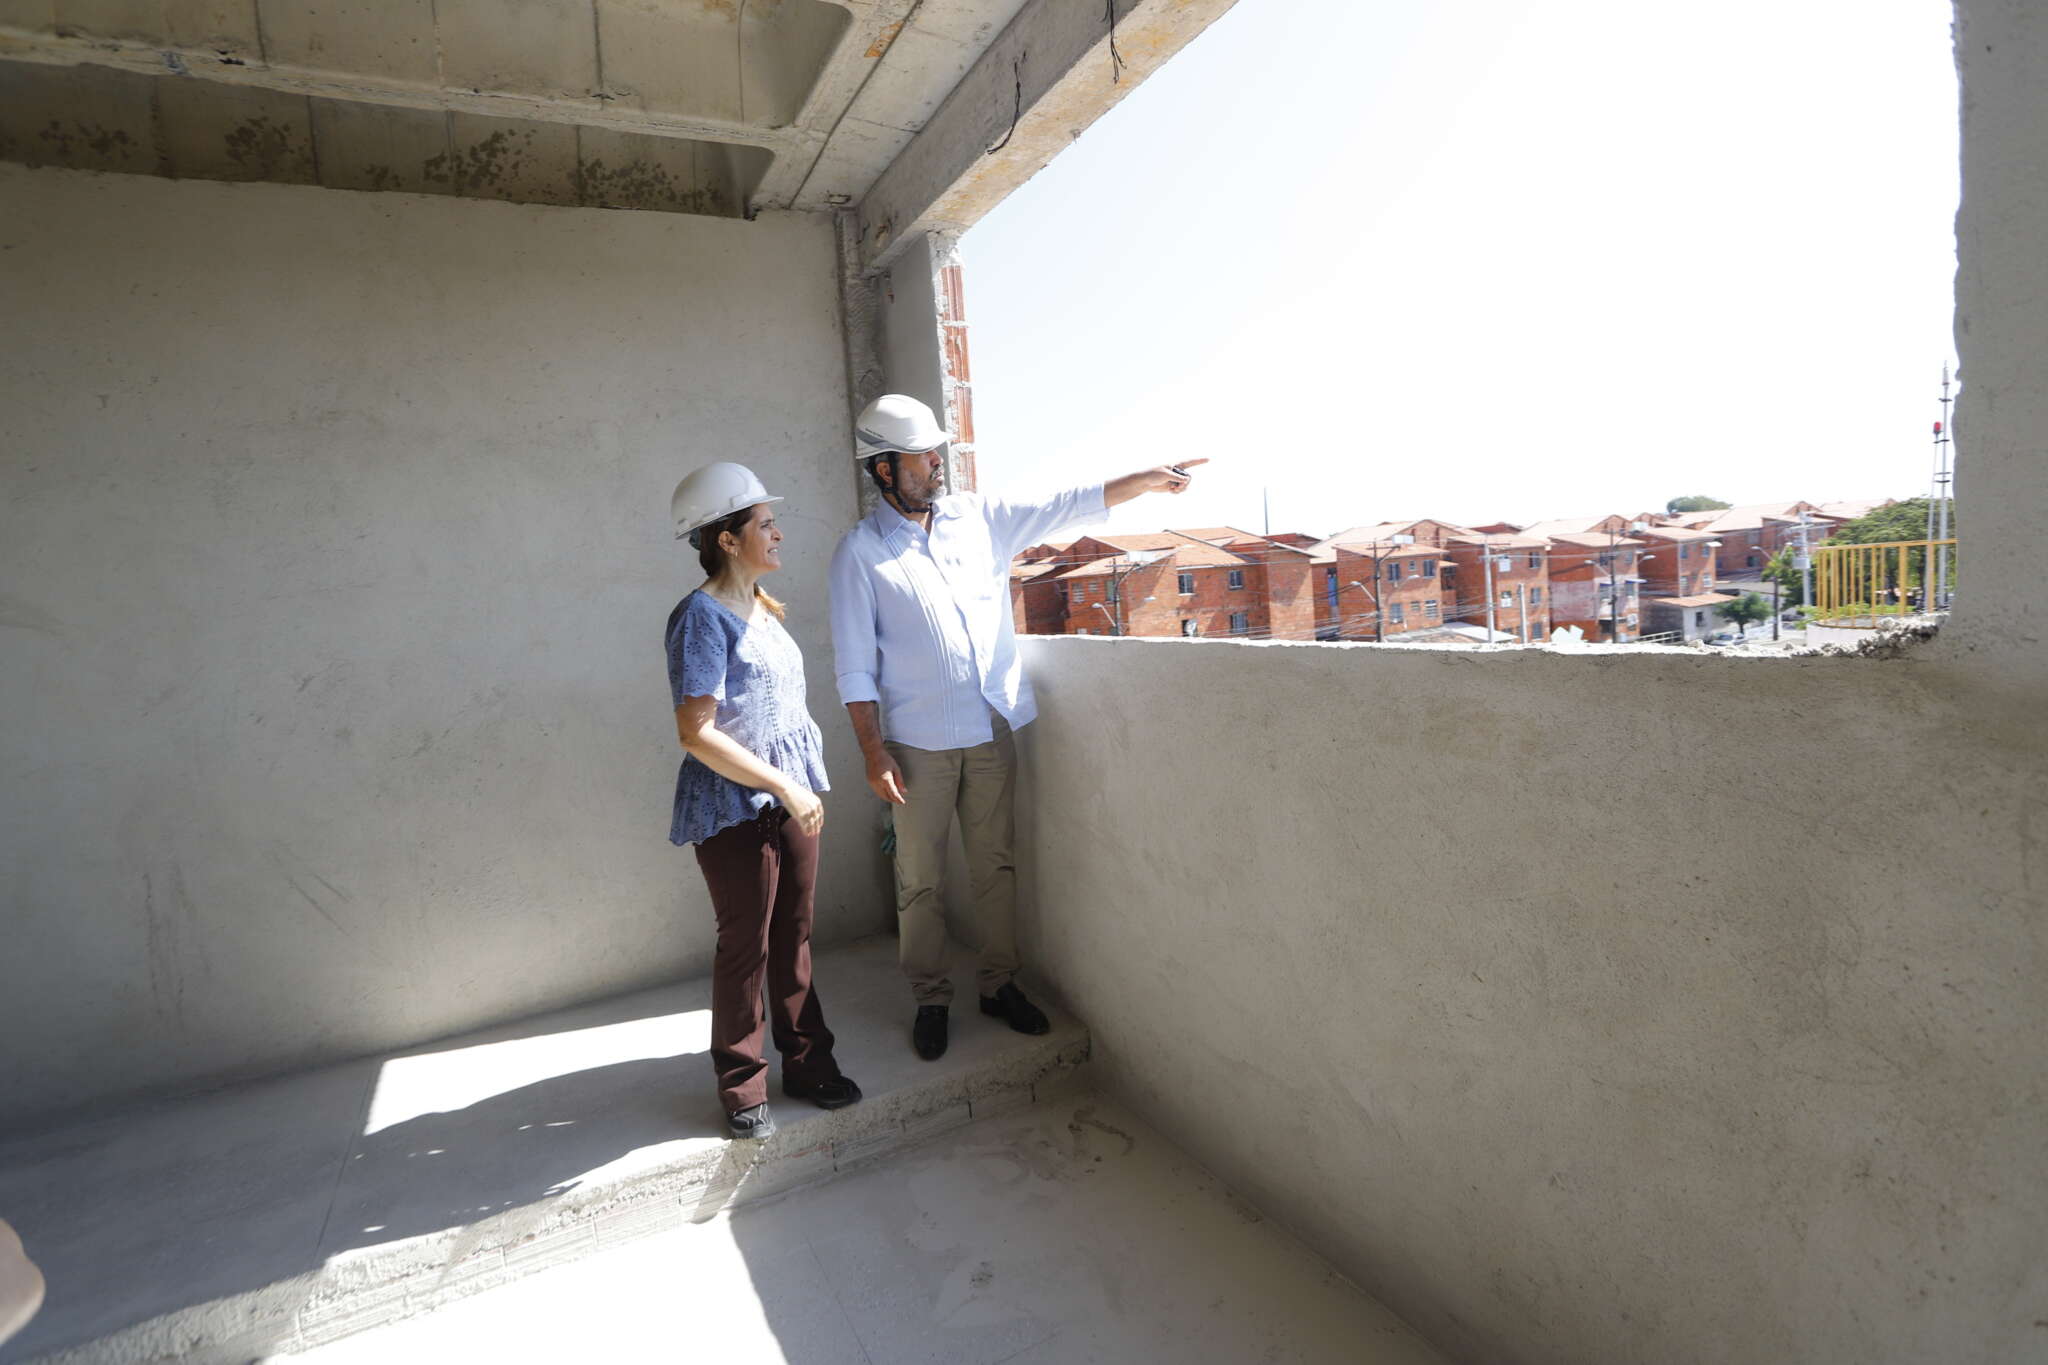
(906, 502)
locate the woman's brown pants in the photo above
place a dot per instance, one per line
(761, 875)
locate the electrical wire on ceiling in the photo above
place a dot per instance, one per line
(1017, 109)
(1116, 58)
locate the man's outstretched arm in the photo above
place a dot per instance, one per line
(1166, 478)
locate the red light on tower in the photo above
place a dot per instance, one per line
(1937, 428)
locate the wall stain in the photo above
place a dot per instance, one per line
(642, 185)
(481, 165)
(103, 141)
(269, 149)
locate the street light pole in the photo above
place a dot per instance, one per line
(1379, 615)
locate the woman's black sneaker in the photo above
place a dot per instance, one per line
(928, 1033)
(835, 1093)
(756, 1122)
(1009, 1003)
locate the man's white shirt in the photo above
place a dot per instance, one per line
(921, 622)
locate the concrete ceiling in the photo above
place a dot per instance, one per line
(785, 103)
(696, 106)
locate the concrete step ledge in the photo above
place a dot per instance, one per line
(670, 1184)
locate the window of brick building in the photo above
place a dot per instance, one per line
(1394, 572)
(1429, 609)
(1187, 584)
(1237, 578)
(1507, 599)
(1189, 628)
(1429, 568)
(1535, 559)
(1535, 597)
(1396, 614)
(1240, 622)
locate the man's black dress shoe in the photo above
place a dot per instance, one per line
(1009, 1003)
(928, 1033)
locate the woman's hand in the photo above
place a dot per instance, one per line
(885, 779)
(804, 807)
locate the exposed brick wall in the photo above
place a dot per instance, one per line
(1525, 578)
(1577, 581)
(959, 377)
(1677, 568)
(1413, 600)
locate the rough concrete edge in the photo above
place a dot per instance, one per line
(403, 1279)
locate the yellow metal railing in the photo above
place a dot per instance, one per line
(1859, 585)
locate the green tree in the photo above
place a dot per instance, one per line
(1698, 502)
(1784, 569)
(1901, 521)
(1905, 520)
(1745, 611)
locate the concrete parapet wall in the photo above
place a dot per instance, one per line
(1394, 939)
(335, 556)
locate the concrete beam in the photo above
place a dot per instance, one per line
(1040, 84)
(23, 45)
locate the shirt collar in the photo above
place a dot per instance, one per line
(890, 523)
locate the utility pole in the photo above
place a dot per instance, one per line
(1938, 578)
(1613, 587)
(1805, 557)
(1379, 610)
(1486, 550)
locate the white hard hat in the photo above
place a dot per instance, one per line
(713, 493)
(896, 422)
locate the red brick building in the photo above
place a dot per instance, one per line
(1386, 589)
(1679, 574)
(1517, 580)
(1750, 536)
(1677, 562)
(1215, 582)
(1283, 578)
(1595, 585)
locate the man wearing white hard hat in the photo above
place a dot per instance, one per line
(928, 668)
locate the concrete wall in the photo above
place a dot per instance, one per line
(335, 556)
(1402, 955)
(1391, 938)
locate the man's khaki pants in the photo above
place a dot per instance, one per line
(980, 785)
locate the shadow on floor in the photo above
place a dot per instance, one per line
(146, 1215)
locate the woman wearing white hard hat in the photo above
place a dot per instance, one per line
(746, 797)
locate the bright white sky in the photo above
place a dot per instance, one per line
(1488, 260)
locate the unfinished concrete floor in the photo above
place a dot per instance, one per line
(562, 1188)
(1069, 1232)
